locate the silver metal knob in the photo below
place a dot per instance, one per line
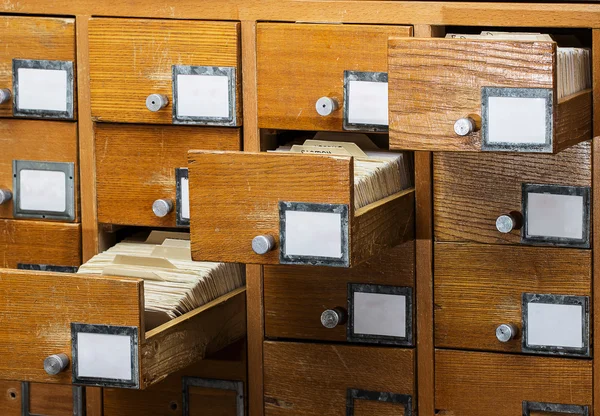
(505, 223)
(325, 106)
(56, 363)
(262, 244)
(464, 126)
(5, 95)
(333, 317)
(5, 196)
(506, 332)
(161, 207)
(156, 102)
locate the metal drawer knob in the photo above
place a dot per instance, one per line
(505, 223)
(5, 196)
(262, 244)
(161, 207)
(156, 102)
(56, 363)
(5, 95)
(333, 317)
(325, 106)
(464, 126)
(506, 332)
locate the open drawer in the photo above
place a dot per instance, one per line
(293, 208)
(94, 328)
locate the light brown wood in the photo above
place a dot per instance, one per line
(479, 287)
(296, 296)
(50, 399)
(288, 87)
(38, 38)
(135, 165)
(131, 59)
(10, 398)
(573, 119)
(471, 191)
(475, 384)
(37, 140)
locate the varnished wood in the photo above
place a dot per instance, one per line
(479, 287)
(10, 398)
(288, 87)
(135, 165)
(472, 190)
(312, 379)
(50, 399)
(573, 119)
(131, 59)
(475, 384)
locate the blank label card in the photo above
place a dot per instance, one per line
(365, 101)
(104, 356)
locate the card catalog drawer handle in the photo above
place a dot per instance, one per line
(505, 223)
(464, 126)
(5, 196)
(156, 102)
(333, 317)
(262, 244)
(506, 332)
(56, 363)
(325, 106)
(162, 207)
(5, 95)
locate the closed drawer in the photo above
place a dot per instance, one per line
(165, 71)
(302, 204)
(138, 165)
(98, 324)
(37, 67)
(18, 399)
(479, 288)
(372, 302)
(328, 380)
(333, 57)
(474, 384)
(512, 199)
(436, 82)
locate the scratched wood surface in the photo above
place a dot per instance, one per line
(131, 59)
(472, 190)
(135, 165)
(475, 384)
(312, 379)
(289, 87)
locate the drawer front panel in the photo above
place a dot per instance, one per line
(328, 380)
(474, 384)
(288, 87)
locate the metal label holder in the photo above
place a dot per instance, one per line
(361, 76)
(50, 65)
(352, 395)
(79, 400)
(341, 209)
(567, 409)
(180, 173)
(47, 268)
(236, 386)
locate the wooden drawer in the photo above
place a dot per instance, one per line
(131, 59)
(44, 50)
(136, 165)
(40, 145)
(296, 300)
(475, 384)
(18, 399)
(98, 323)
(237, 196)
(472, 192)
(288, 87)
(480, 287)
(436, 82)
(331, 380)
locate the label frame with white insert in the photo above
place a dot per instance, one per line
(181, 177)
(340, 212)
(383, 339)
(527, 237)
(107, 330)
(198, 119)
(349, 123)
(538, 100)
(66, 111)
(66, 168)
(567, 409)
(554, 300)
(404, 400)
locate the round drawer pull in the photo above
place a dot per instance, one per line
(325, 106)
(5, 196)
(262, 244)
(505, 223)
(5, 95)
(56, 363)
(333, 317)
(464, 126)
(156, 102)
(161, 207)
(506, 332)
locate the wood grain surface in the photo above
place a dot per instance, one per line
(10, 398)
(573, 120)
(50, 399)
(479, 287)
(131, 59)
(471, 191)
(289, 87)
(312, 379)
(475, 384)
(135, 165)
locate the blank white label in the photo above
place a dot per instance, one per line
(104, 356)
(315, 234)
(550, 215)
(185, 199)
(203, 96)
(368, 103)
(379, 314)
(554, 325)
(42, 190)
(42, 89)
(516, 120)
